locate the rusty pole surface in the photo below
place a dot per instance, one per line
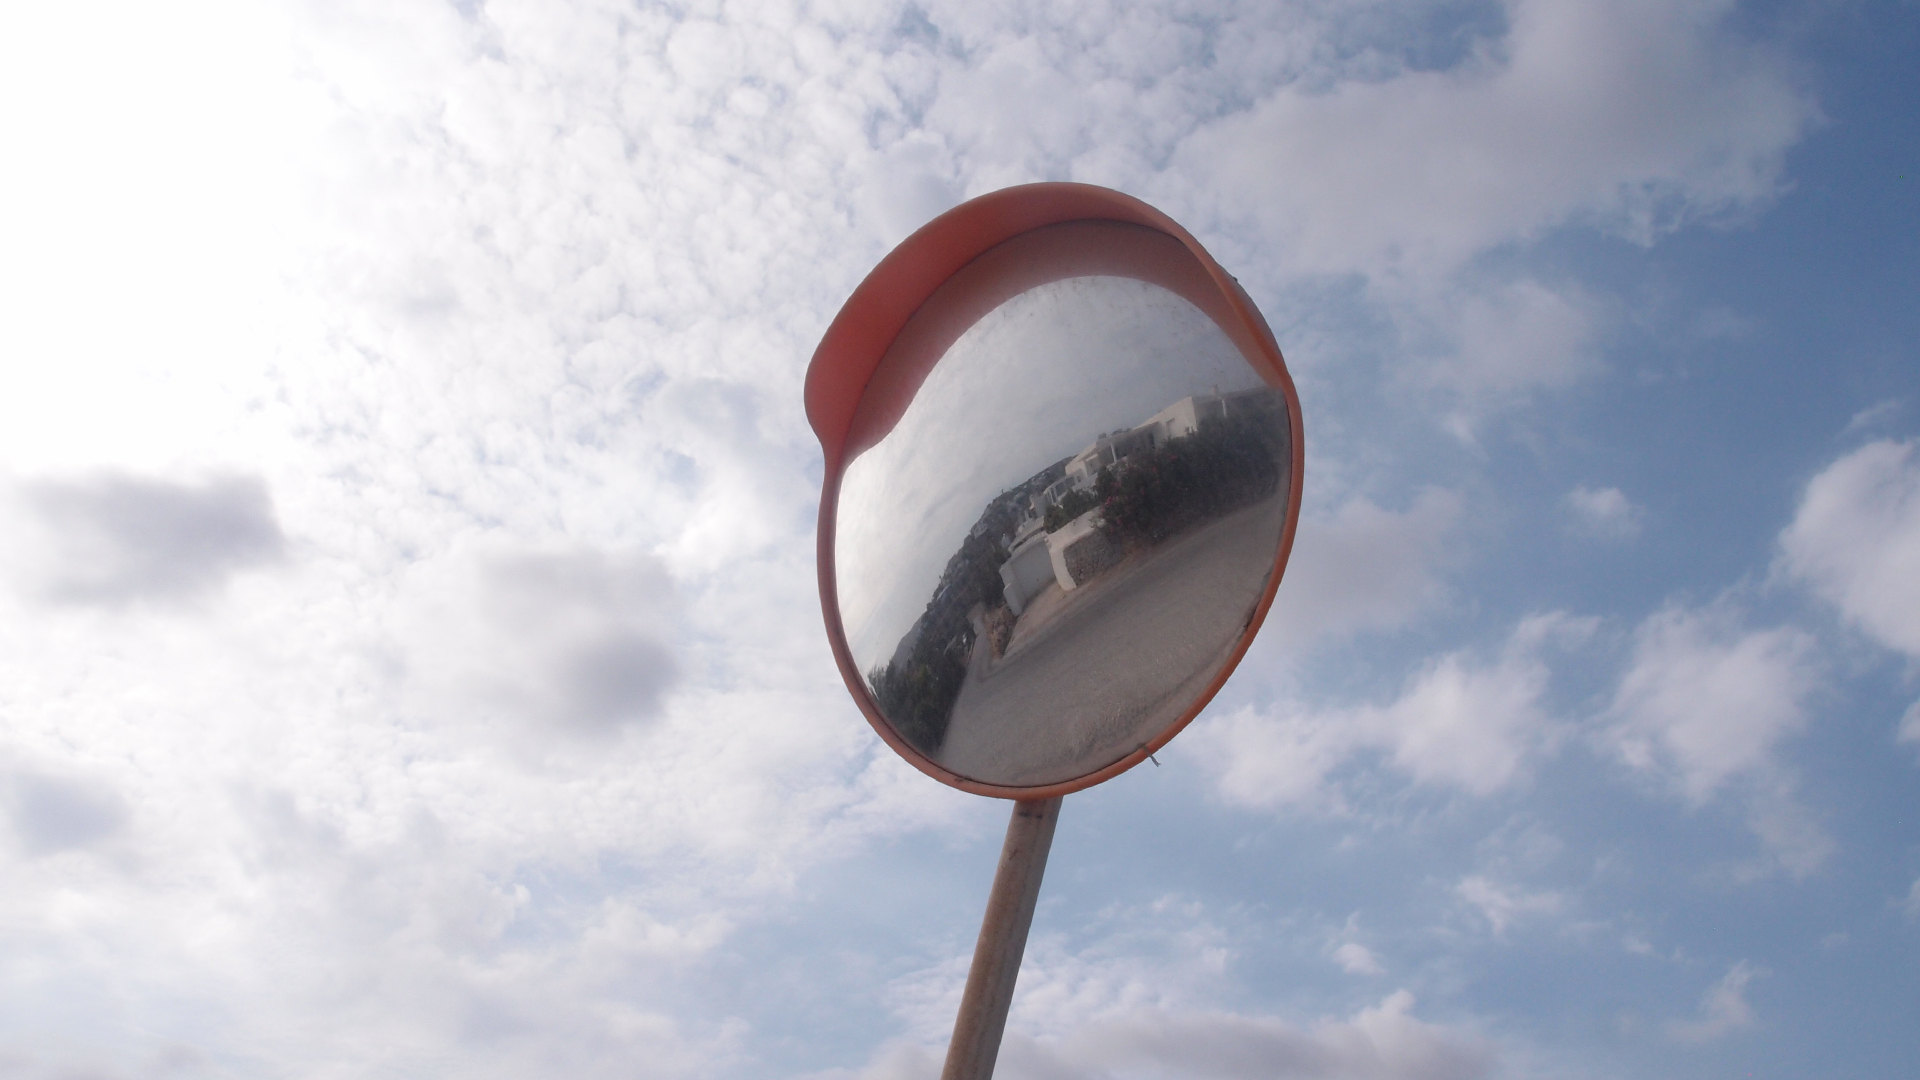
(1003, 940)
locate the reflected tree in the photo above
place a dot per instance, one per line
(1229, 462)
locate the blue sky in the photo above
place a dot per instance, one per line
(409, 655)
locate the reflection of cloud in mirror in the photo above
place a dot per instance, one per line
(1039, 378)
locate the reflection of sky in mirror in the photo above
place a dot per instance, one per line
(1037, 379)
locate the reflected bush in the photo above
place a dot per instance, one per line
(1227, 464)
(917, 697)
(916, 692)
(1071, 505)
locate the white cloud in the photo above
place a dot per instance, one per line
(1380, 1042)
(1459, 723)
(1377, 1042)
(1356, 959)
(1604, 513)
(1361, 568)
(424, 940)
(1271, 758)
(603, 613)
(1165, 954)
(1704, 704)
(185, 250)
(1471, 727)
(1855, 540)
(566, 642)
(1345, 949)
(1405, 177)
(907, 185)
(1499, 345)
(113, 539)
(1423, 169)
(1911, 905)
(1520, 336)
(1794, 838)
(53, 813)
(1502, 906)
(1705, 701)
(1875, 415)
(896, 1060)
(1723, 1009)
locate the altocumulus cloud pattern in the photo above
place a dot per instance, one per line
(409, 654)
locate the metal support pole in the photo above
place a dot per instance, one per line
(1003, 940)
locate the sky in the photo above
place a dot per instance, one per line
(410, 658)
(1036, 380)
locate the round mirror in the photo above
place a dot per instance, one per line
(1063, 469)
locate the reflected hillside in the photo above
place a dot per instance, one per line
(1074, 524)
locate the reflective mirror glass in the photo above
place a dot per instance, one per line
(1058, 545)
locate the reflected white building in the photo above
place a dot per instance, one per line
(1027, 571)
(1179, 419)
(1037, 557)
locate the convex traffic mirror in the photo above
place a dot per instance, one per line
(1063, 461)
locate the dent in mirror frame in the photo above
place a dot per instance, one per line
(1061, 541)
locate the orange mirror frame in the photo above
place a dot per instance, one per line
(864, 374)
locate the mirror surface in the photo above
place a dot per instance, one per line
(1058, 545)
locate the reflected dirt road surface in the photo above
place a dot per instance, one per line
(1117, 659)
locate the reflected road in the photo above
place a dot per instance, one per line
(1123, 656)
